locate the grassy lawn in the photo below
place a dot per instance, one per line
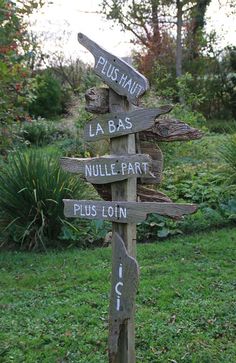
(54, 306)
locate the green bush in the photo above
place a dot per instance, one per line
(32, 186)
(48, 98)
(193, 185)
(41, 132)
(201, 185)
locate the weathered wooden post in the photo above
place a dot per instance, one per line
(115, 177)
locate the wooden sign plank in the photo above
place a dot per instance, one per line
(125, 276)
(123, 212)
(115, 72)
(102, 170)
(123, 123)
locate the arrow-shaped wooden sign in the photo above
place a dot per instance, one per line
(124, 123)
(108, 169)
(123, 212)
(115, 72)
(125, 275)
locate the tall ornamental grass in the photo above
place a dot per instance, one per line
(228, 152)
(32, 186)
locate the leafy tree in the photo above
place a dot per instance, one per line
(71, 73)
(195, 28)
(219, 83)
(152, 23)
(47, 101)
(15, 55)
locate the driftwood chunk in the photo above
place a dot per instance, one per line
(170, 129)
(150, 148)
(150, 195)
(143, 193)
(97, 100)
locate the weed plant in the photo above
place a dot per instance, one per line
(32, 186)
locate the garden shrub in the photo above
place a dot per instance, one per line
(41, 132)
(32, 186)
(48, 100)
(192, 184)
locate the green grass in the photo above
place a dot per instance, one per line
(54, 306)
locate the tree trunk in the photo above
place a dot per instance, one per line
(179, 55)
(179, 50)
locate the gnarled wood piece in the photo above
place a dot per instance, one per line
(122, 211)
(143, 193)
(115, 72)
(150, 195)
(125, 276)
(97, 100)
(155, 152)
(170, 129)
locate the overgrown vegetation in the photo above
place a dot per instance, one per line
(17, 52)
(41, 132)
(47, 97)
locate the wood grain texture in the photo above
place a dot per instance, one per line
(115, 72)
(125, 276)
(108, 169)
(97, 100)
(152, 149)
(144, 194)
(123, 123)
(124, 190)
(170, 129)
(122, 211)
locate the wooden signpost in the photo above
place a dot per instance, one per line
(115, 177)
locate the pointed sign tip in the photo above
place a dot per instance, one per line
(115, 72)
(80, 36)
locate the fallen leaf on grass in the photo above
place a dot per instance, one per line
(172, 319)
